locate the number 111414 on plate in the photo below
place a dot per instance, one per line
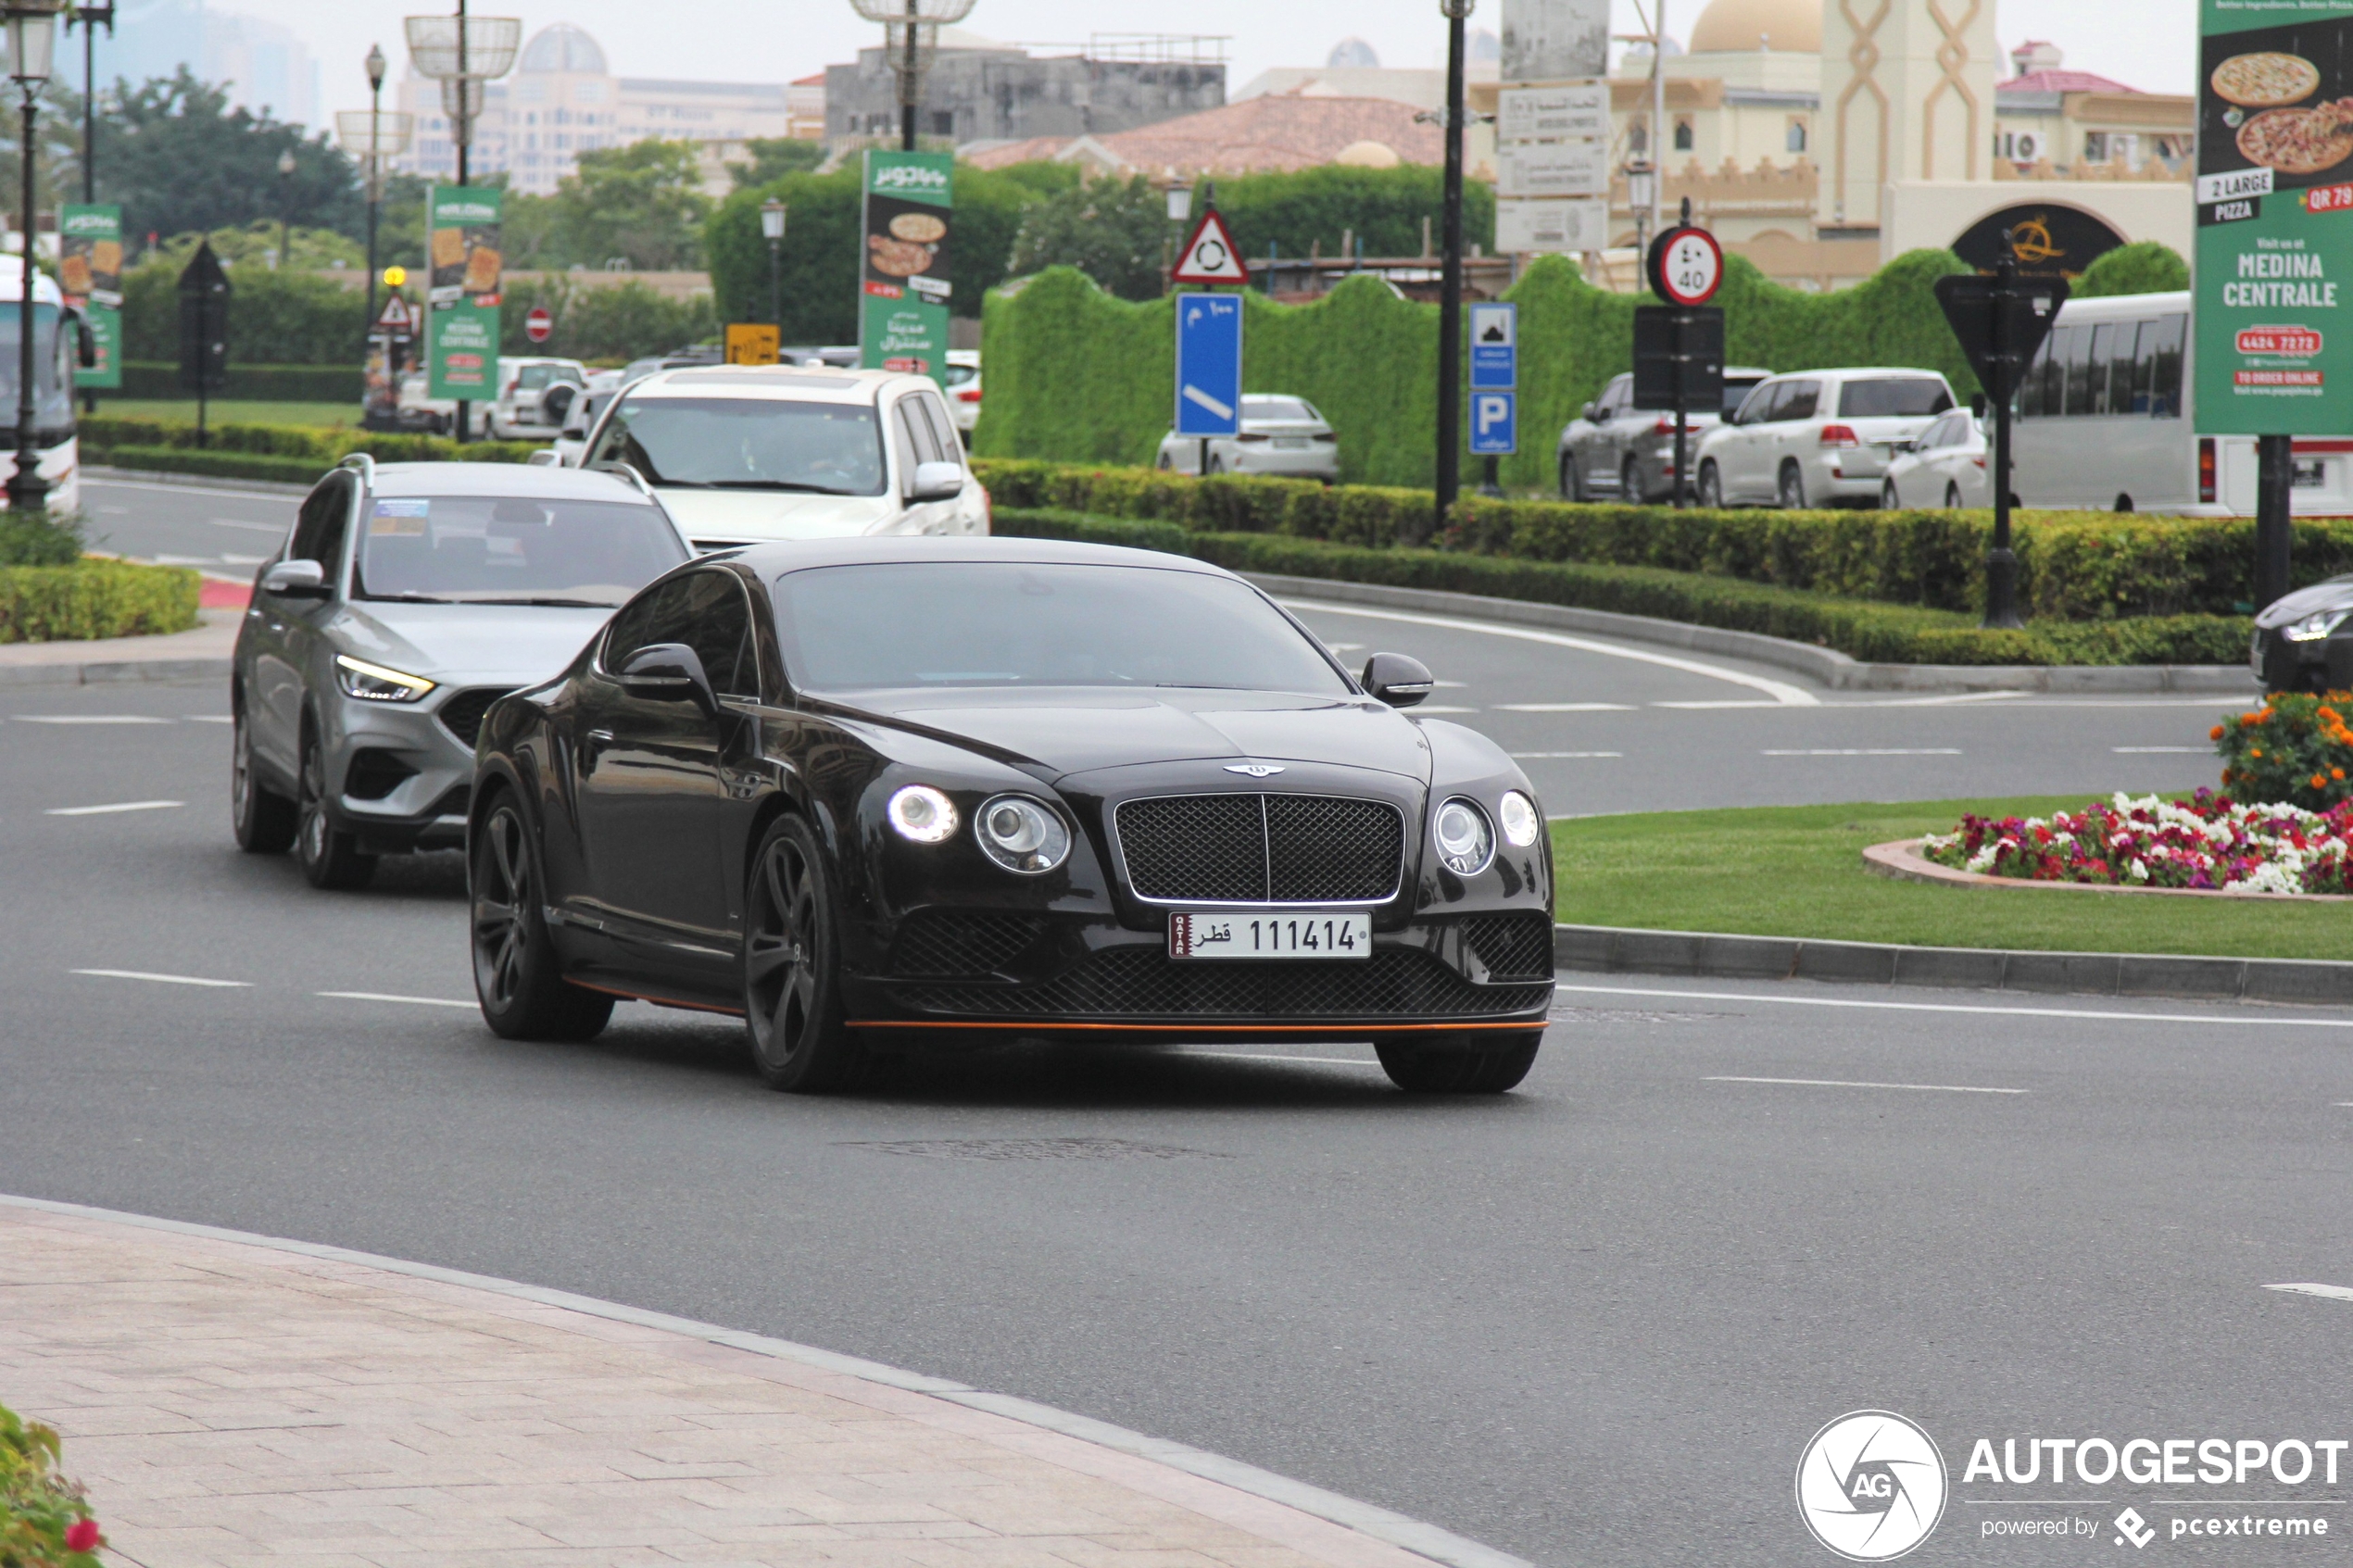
(1221, 933)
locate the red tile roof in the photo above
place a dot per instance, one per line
(1272, 132)
(2064, 82)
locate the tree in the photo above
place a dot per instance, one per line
(178, 157)
(2150, 266)
(1116, 232)
(642, 203)
(773, 157)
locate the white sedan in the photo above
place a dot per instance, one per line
(1280, 435)
(1943, 465)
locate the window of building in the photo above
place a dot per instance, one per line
(589, 91)
(2095, 147)
(1793, 139)
(1684, 134)
(943, 122)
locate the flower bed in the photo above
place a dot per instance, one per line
(2206, 842)
(2294, 749)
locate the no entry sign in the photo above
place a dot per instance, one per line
(538, 324)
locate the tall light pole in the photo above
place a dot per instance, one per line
(33, 41)
(911, 34)
(1450, 293)
(771, 229)
(91, 18)
(462, 53)
(373, 135)
(286, 208)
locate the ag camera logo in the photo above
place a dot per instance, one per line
(1870, 1485)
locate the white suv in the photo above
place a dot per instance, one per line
(1815, 438)
(743, 453)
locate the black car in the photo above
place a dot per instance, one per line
(2304, 640)
(872, 794)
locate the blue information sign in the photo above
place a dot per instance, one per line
(1208, 364)
(1494, 355)
(1494, 420)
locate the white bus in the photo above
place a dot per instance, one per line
(2106, 421)
(56, 349)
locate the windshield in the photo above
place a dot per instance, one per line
(1736, 393)
(747, 442)
(479, 550)
(1893, 397)
(987, 624)
(52, 373)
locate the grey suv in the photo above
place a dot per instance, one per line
(407, 598)
(1616, 450)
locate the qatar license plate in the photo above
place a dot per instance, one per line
(1205, 933)
(1294, 442)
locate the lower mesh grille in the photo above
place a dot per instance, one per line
(1512, 946)
(945, 943)
(1145, 983)
(462, 715)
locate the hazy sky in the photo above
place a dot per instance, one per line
(776, 40)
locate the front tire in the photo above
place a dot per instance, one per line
(1629, 483)
(330, 856)
(792, 967)
(264, 821)
(1459, 1069)
(1711, 487)
(1888, 499)
(1572, 483)
(518, 979)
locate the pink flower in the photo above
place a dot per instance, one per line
(82, 1536)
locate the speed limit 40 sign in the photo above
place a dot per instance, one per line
(1686, 266)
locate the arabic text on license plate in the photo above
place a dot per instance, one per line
(1220, 933)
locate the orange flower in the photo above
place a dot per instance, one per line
(2337, 773)
(2215, 733)
(2318, 783)
(2255, 751)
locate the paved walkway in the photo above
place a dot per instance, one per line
(178, 655)
(232, 1404)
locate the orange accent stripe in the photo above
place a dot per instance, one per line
(658, 1001)
(1350, 1030)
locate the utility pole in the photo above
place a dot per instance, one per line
(1450, 302)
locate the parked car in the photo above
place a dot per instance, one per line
(522, 412)
(1817, 437)
(840, 357)
(676, 359)
(575, 411)
(418, 409)
(1613, 448)
(868, 793)
(745, 453)
(1943, 466)
(1280, 435)
(962, 386)
(407, 598)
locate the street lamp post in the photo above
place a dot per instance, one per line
(285, 210)
(33, 41)
(91, 18)
(1450, 297)
(771, 229)
(462, 53)
(373, 135)
(910, 32)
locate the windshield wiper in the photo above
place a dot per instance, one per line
(558, 603)
(410, 598)
(774, 484)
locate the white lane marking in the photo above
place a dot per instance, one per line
(1249, 1056)
(161, 979)
(207, 718)
(1847, 1084)
(2207, 1018)
(85, 719)
(1868, 751)
(382, 997)
(111, 484)
(107, 810)
(1441, 708)
(1574, 707)
(2155, 750)
(1741, 702)
(1547, 755)
(1782, 692)
(2333, 1292)
(115, 512)
(248, 527)
(232, 559)
(187, 561)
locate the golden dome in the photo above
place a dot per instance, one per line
(1745, 26)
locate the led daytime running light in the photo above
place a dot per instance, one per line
(924, 814)
(377, 683)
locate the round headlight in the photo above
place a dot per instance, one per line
(922, 813)
(1021, 834)
(1522, 822)
(1464, 841)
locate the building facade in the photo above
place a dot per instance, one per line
(979, 90)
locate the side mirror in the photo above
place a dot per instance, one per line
(936, 482)
(1395, 679)
(86, 344)
(1589, 413)
(670, 671)
(296, 579)
(546, 457)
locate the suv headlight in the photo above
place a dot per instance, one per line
(1465, 842)
(2313, 627)
(1022, 834)
(378, 683)
(1522, 822)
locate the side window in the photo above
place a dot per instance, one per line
(2104, 340)
(718, 627)
(2030, 386)
(320, 526)
(943, 430)
(643, 621)
(1618, 397)
(2077, 369)
(613, 445)
(2161, 347)
(1798, 400)
(1757, 405)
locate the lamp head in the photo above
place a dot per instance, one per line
(1180, 201)
(33, 40)
(286, 161)
(1455, 10)
(375, 66)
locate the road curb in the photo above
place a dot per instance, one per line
(1709, 955)
(113, 672)
(104, 472)
(1831, 668)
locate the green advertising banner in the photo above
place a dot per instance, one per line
(2274, 217)
(903, 287)
(462, 310)
(90, 273)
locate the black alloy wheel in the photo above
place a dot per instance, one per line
(263, 820)
(1572, 483)
(1711, 487)
(1459, 1067)
(518, 978)
(792, 967)
(330, 855)
(1793, 488)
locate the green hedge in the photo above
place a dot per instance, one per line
(1880, 633)
(159, 379)
(94, 599)
(1077, 376)
(103, 439)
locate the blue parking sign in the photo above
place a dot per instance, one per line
(1495, 425)
(1494, 348)
(1208, 364)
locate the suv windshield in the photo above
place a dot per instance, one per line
(747, 442)
(1893, 397)
(987, 624)
(480, 549)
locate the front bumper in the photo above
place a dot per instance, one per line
(402, 778)
(2324, 664)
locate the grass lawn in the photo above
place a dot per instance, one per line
(1797, 871)
(222, 412)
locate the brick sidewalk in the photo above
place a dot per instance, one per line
(234, 1404)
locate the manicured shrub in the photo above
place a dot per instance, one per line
(44, 1518)
(94, 599)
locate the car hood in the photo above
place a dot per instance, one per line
(746, 516)
(1070, 730)
(2334, 594)
(518, 643)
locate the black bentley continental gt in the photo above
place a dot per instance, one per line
(875, 795)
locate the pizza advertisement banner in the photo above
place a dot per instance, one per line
(90, 276)
(903, 285)
(463, 263)
(2274, 267)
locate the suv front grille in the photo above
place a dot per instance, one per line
(462, 715)
(1262, 848)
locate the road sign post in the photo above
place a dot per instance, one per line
(1686, 267)
(2000, 322)
(1209, 368)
